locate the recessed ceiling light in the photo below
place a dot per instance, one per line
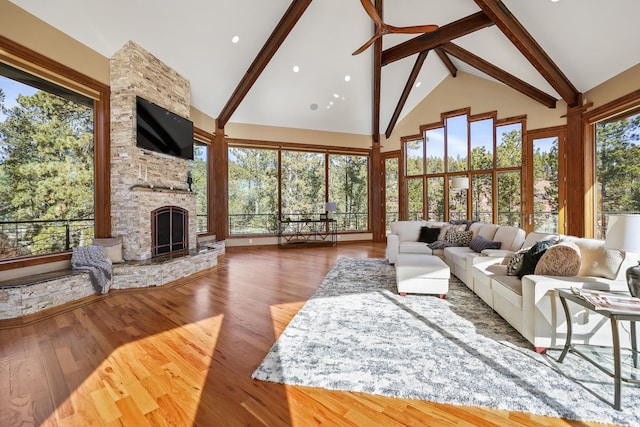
(336, 96)
(555, 1)
(235, 39)
(418, 84)
(347, 78)
(328, 106)
(314, 106)
(296, 68)
(330, 102)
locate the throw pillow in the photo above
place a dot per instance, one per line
(532, 256)
(562, 259)
(515, 262)
(597, 260)
(112, 246)
(459, 238)
(479, 243)
(443, 231)
(428, 234)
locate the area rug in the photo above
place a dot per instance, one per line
(357, 334)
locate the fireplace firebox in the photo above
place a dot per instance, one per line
(169, 230)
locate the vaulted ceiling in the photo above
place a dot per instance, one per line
(574, 46)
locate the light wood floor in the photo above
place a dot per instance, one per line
(183, 355)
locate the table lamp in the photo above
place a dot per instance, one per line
(330, 207)
(623, 232)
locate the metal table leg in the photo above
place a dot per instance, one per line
(617, 372)
(567, 341)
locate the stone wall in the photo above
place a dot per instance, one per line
(134, 171)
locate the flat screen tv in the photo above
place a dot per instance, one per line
(162, 131)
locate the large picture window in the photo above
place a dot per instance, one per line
(46, 166)
(617, 158)
(270, 183)
(484, 152)
(198, 174)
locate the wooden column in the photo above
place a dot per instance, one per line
(376, 185)
(219, 207)
(575, 149)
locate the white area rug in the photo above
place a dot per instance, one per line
(357, 334)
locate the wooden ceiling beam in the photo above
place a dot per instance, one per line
(377, 81)
(447, 61)
(430, 41)
(271, 46)
(499, 74)
(405, 93)
(520, 37)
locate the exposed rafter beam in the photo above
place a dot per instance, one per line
(520, 37)
(377, 81)
(407, 90)
(499, 74)
(447, 62)
(444, 34)
(271, 46)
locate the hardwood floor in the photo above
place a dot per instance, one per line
(183, 355)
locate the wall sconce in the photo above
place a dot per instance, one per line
(459, 183)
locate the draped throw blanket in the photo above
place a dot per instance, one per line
(94, 259)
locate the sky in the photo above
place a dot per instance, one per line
(11, 90)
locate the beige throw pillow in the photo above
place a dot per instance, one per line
(598, 261)
(112, 246)
(562, 259)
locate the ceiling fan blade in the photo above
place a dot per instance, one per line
(371, 11)
(416, 29)
(367, 44)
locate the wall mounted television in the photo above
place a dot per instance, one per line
(162, 131)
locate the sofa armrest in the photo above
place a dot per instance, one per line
(393, 248)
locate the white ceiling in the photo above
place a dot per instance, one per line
(590, 40)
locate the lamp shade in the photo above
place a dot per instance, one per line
(623, 232)
(460, 183)
(330, 206)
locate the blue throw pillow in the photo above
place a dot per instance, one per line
(479, 243)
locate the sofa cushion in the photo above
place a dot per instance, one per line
(459, 238)
(407, 230)
(532, 256)
(509, 287)
(479, 243)
(487, 231)
(510, 237)
(562, 259)
(428, 234)
(536, 236)
(443, 231)
(597, 261)
(414, 248)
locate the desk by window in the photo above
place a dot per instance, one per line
(631, 373)
(307, 232)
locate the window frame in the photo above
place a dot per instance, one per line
(31, 62)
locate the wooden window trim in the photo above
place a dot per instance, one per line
(32, 62)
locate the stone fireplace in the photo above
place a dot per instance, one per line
(142, 181)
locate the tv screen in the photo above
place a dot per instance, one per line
(162, 131)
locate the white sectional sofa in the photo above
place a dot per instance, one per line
(529, 304)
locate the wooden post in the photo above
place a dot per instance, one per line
(575, 206)
(219, 206)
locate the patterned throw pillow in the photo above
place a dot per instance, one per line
(563, 259)
(532, 256)
(515, 263)
(459, 238)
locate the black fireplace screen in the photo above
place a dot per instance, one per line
(169, 230)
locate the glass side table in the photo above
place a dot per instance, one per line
(593, 352)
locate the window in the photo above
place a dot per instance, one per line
(348, 178)
(199, 184)
(253, 191)
(617, 158)
(46, 166)
(478, 148)
(266, 184)
(392, 195)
